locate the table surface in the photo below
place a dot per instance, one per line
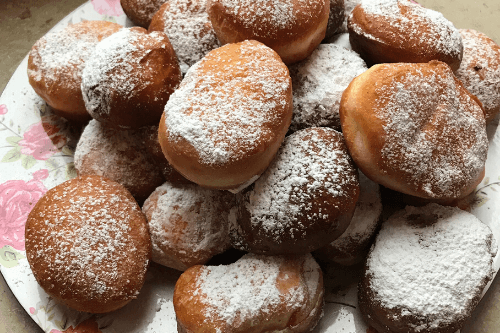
(22, 22)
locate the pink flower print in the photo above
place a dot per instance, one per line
(3, 109)
(108, 7)
(41, 140)
(17, 198)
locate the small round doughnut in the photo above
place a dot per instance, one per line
(188, 224)
(385, 31)
(426, 271)
(318, 83)
(255, 294)
(129, 77)
(56, 62)
(352, 246)
(336, 18)
(188, 28)
(304, 200)
(141, 12)
(480, 70)
(88, 244)
(291, 28)
(225, 123)
(119, 155)
(415, 129)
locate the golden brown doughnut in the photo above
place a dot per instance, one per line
(141, 12)
(480, 70)
(224, 124)
(188, 224)
(415, 129)
(426, 271)
(303, 201)
(56, 62)
(188, 28)
(129, 78)
(88, 244)
(383, 31)
(119, 155)
(292, 28)
(256, 294)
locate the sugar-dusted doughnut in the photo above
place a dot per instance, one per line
(335, 18)
(352, 246)
(88, 244)
(188, 28)
(119, 155)
(415, 129)
(141, 12)
(255, 294)
(383, 31)
(318, 83)
(188, 224)
(56, 62)
(292, 28)
(426, 271)
(480, 70)
(129, 77)
(225, 123)
(303, 201)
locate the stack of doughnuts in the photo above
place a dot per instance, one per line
(238, 129)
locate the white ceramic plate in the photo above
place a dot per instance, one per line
(36, 153)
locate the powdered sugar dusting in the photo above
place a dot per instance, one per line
(114, 69)
(434, 131)
(228, 110)
(188, 223)
(189, 30)
(413, 25)
(431, 262)
(88, 235)
(276, 14)
(311, 164)
(119, 155)
(318, 83)
(247, 288)
(61, 55)
(480, 69)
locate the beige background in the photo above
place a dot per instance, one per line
(22, 22)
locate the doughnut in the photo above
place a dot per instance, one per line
(480, 70)
(141, 12)
(385, 31)
(415, 129)
(129, 77)
(318, 83)
(426, 271)
(188, 28)
(149, 135)
(223, 125)
(88, 245)
(352, 246)
(336, 18)
(119, 155)
(255, 294)
(303, 201)
(56, 62)
(188, 224)
(291, 28)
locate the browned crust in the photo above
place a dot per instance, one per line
(130, 267)
(141, 11)
(293, 43)
(393, 44)
(65, 95)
